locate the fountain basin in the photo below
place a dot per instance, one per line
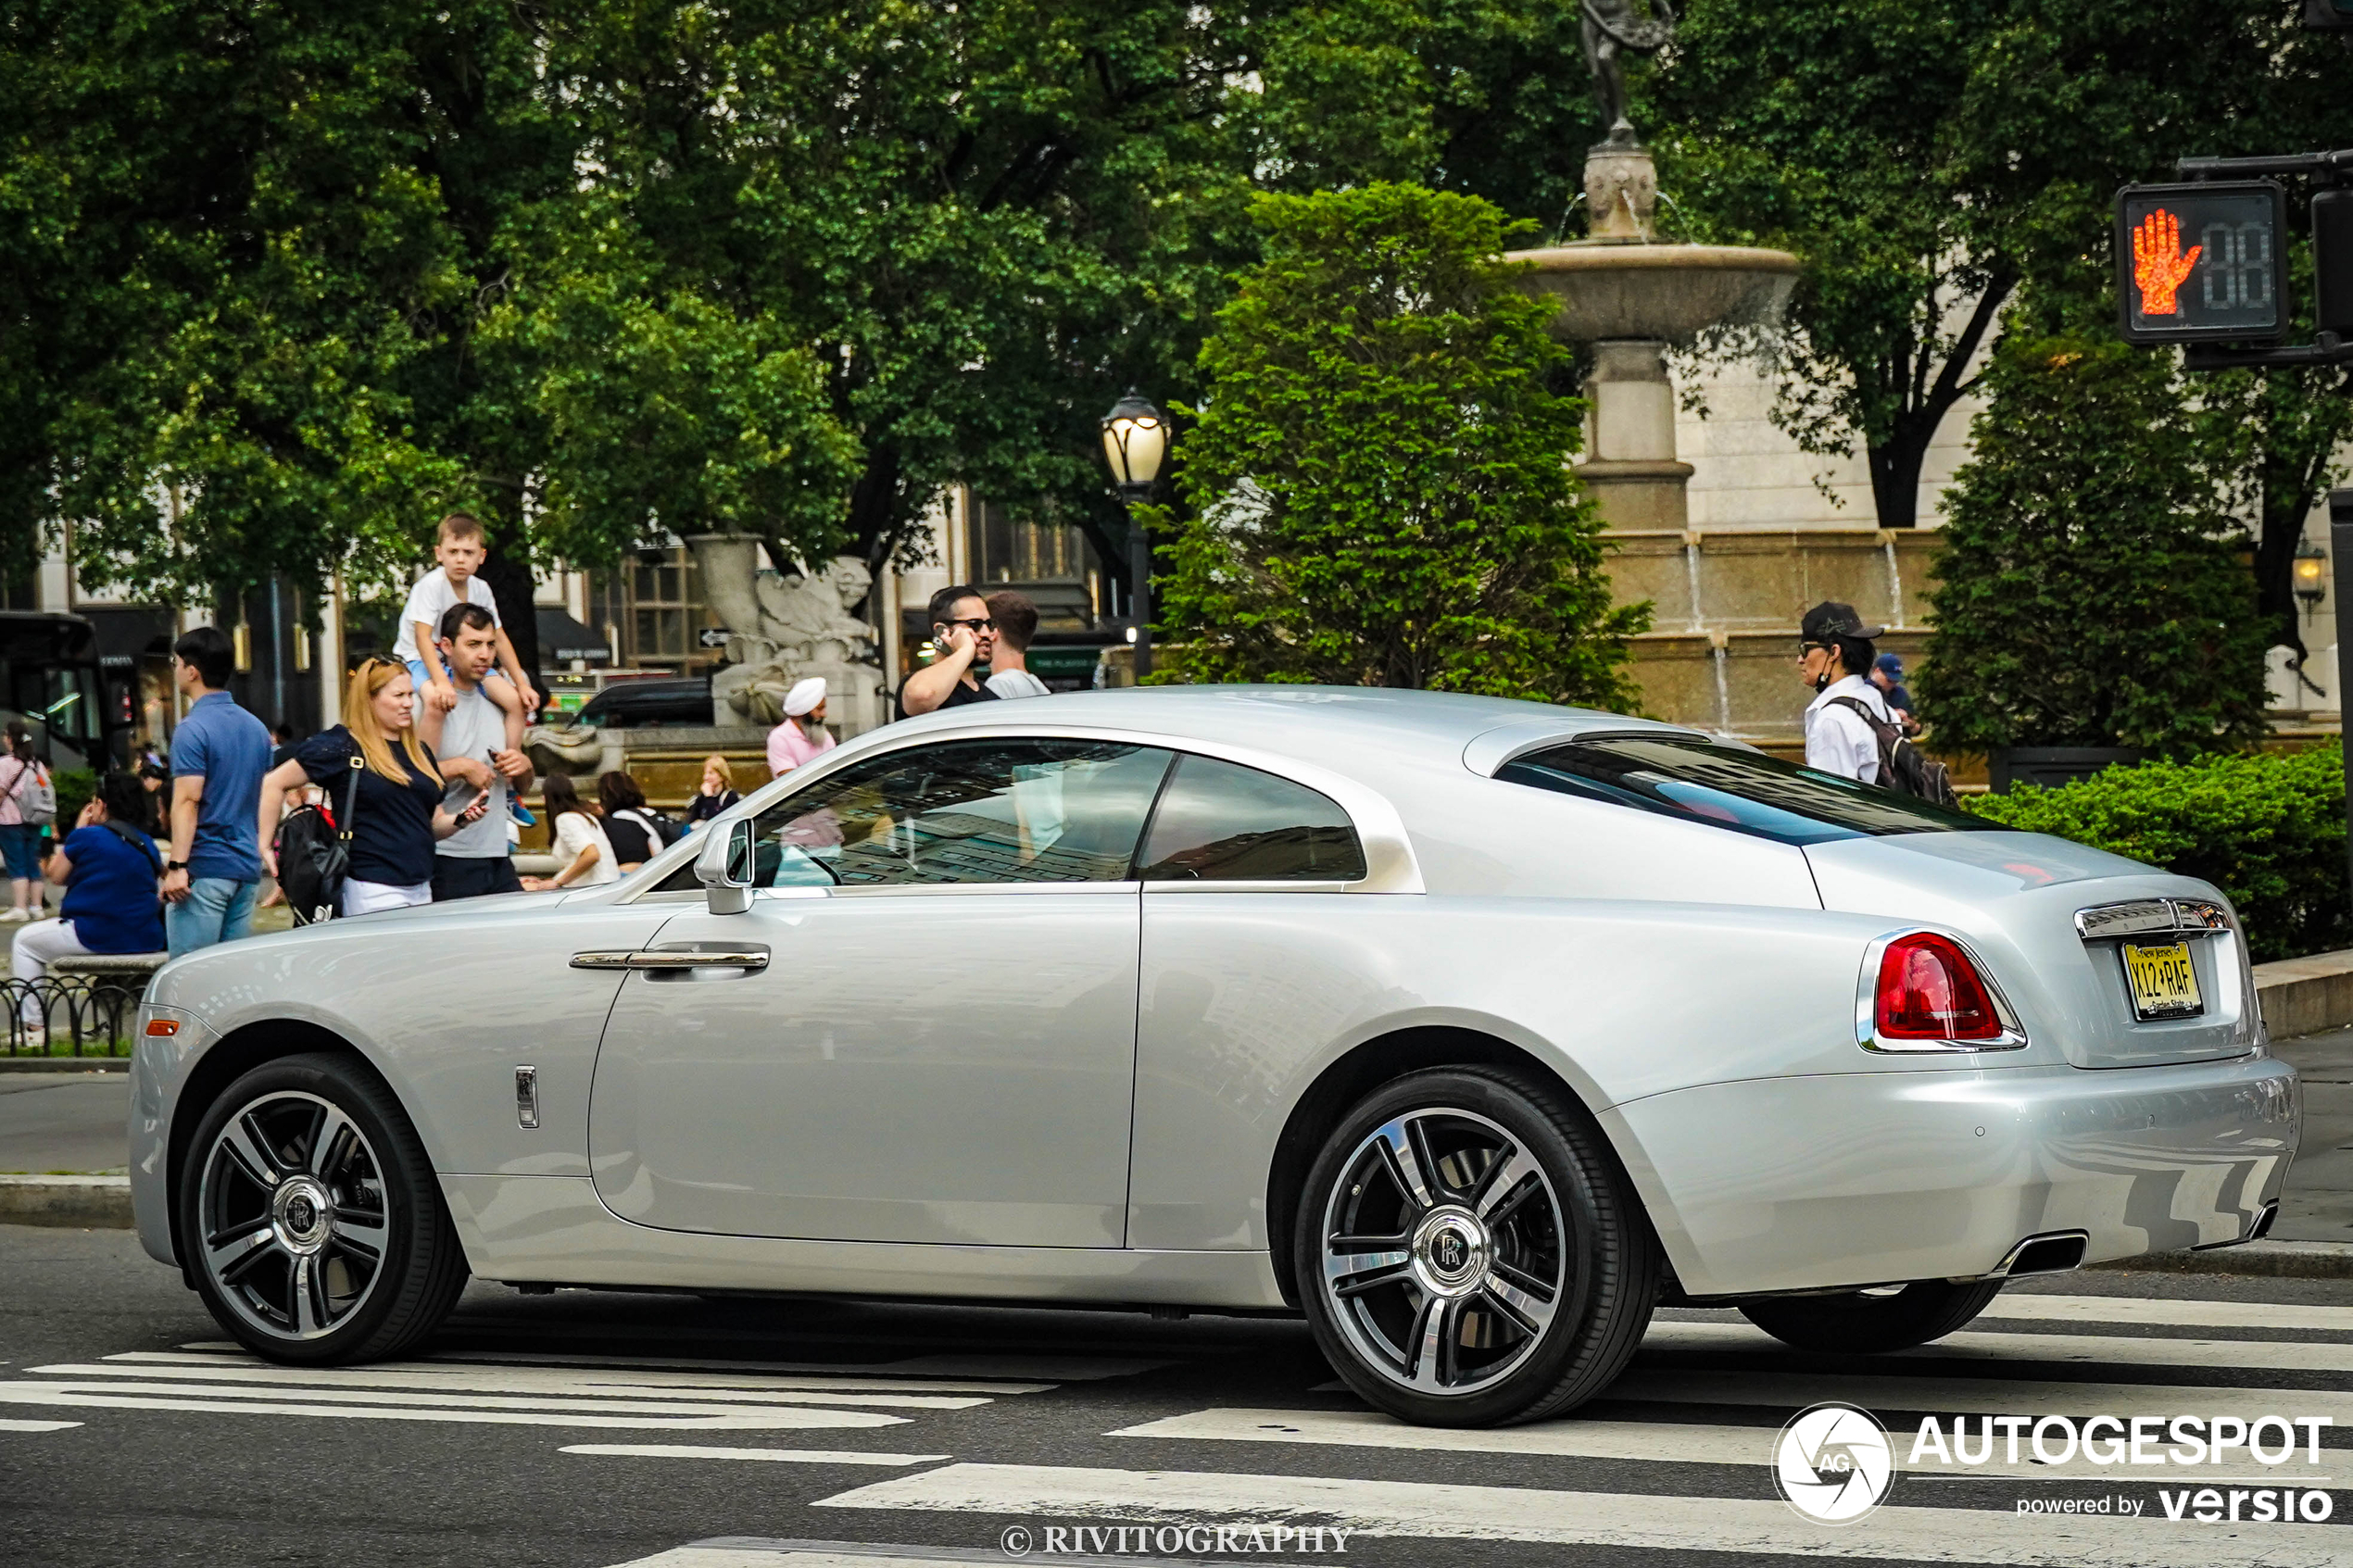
(1659, 293)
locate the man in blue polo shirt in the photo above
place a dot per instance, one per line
(219, 754)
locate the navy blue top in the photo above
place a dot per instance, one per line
(110, 893)
(228, 749)
(392, 828)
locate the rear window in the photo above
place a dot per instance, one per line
(1727, 787)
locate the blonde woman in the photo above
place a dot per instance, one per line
(718, 792)
(399, 816)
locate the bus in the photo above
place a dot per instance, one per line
(49, 678)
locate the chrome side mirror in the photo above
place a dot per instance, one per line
(724, 866)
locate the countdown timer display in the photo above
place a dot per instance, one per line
(2203, 263)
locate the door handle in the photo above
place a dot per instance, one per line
(672, 959)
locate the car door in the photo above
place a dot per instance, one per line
(924, 1028)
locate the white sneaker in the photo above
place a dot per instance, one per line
(17, 917)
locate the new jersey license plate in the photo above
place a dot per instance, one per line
(2163, 980)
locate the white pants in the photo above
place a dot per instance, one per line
(366, 897)
(36, 946)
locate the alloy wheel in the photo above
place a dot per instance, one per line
(1445, 1255)
(294, 1216)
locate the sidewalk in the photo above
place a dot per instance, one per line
(2318, 1204)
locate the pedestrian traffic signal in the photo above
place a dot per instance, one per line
(2202, 263)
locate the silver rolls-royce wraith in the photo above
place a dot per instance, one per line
(1470, 1029)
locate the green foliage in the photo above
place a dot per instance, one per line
(1378, 491)
(2090, 591)
(74, 787)
(1926, 161)
(2268, 829)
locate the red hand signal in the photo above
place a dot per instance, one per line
(2159, 267)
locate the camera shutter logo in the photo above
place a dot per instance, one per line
(1833, 1462)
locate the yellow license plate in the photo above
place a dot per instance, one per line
(2164, 982)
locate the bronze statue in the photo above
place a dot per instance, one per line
(1614, 28)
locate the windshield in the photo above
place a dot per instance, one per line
(1727, 787)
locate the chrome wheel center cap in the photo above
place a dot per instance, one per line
(298, 1214)
(1451, 1251)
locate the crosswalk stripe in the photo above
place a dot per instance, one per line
(1662, 1441)
(1973, 1396)
(732, 1421)
(524, 1380)
(785, 1554)
(1511, 1513)
(814, 1375)
(36, 1425)
(756, 1414)
(787, 1455)
(2157, 1311)
(2106, 1349)
(1050, 1370)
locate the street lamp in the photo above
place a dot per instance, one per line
(1135, 440)
(2311, 572)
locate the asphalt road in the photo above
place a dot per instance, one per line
(129, 1433)
(71, 1121)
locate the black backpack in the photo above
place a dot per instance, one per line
(314, 856)
(1903, 767)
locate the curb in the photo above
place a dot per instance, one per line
(2305, 996)
(81, 1202)
(2273, 1259)
(64, 1064)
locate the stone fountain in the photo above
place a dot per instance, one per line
(1632, 298)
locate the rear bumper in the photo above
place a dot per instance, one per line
(1869, 1178)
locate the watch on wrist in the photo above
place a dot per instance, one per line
(175, 865)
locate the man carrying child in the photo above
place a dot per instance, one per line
(461, 553)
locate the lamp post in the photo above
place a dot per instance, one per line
(1135, 440)
(2311, 568)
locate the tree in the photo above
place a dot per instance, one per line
(1926, 161)
(1379, 488)
(2091, 592)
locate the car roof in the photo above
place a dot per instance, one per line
(1351, 728)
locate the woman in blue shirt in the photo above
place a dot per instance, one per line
(111, 874)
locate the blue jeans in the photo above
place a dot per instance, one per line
(20, 845)
(216, 909)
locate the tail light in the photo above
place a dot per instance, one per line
(1928, 993)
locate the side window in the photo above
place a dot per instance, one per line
(1218, 822)
(966, 811)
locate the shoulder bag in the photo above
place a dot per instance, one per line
(314, 855)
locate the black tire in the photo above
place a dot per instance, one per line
(314, 1227)
(1497, 1347)
(1861, 1324)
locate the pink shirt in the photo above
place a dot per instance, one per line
(788, 746)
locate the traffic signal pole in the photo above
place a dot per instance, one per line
(2341, 549)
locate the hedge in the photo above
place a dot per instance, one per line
(2268, 829)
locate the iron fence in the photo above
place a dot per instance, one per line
(95, 1010)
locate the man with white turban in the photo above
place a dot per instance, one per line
(802, 737)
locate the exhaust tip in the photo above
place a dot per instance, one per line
(2047, 1255)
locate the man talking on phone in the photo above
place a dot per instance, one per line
(475, 759)
(962, 630)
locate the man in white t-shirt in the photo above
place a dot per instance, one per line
(460, 553)
(1835, 657)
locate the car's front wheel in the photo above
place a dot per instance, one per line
(1864, 1322)
(309, 1211)
(1470, 1253)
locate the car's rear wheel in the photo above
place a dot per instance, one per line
(312, 1218)
(1865, 1321)
(1470, 1253)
